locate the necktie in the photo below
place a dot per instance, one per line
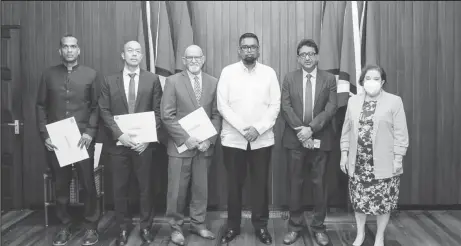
(308, 100)
(131, 94)
(197, 89)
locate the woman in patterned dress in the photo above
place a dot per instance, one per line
(373, 142)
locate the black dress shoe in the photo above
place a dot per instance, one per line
(91, 237)
(264, 236)
(321, 238)
(230, 235)
(146, 236)
(122, 238)
(291, 237)
(61, 237)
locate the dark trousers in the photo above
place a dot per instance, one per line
(181, 173)
(237, 162)
(63, 176)
(304, 165)
(128, 164)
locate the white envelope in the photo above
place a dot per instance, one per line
(140, 126)
(197, 124)
(65, 135)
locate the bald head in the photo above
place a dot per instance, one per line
(193, 59)
(193, 50)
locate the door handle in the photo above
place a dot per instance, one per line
(16, 125)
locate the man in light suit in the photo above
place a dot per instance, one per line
(308, 105)
(132, 90)
(184, 93)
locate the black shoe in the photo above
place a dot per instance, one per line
(230, 235)
(321, 238)
(146, 235)
(264, 236)
(61, 237)
(291, 237)
(91, 237)
(122, 238)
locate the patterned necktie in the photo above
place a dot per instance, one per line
(131, 94)
(308, 100)
(197, 89)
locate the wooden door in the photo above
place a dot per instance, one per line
(11, 98)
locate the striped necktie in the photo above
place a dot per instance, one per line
(197, 89)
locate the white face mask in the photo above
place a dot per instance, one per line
(372, 87)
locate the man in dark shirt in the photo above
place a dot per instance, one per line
(71, 90)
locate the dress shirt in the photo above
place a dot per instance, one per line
(248, 98)
(126, 81)
(313, 81)
(192, 81)
(69, 93)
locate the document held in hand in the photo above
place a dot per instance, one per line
(141, 127)
(65, 135)
(197, 124)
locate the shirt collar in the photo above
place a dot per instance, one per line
(126, 71)
(246, 69)
(191, 76)
(313, 73)
(73, 68)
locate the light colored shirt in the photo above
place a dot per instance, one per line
(248, 98)
(126, 81)
(192, 78)
(313, 81)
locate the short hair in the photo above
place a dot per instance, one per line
(67, 36)
(248, 35)
(372, 67)
(308, 43)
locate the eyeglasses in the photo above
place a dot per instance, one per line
(249, 48)
(191, 58)
(304, 55)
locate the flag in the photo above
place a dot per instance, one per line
(145, 37)
(330, 37)
(165, 57)
(165, 31)
(183, 35)
(369, 34)
(350, 64)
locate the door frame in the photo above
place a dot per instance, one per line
(18, 200)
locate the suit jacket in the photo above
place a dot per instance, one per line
(113, 101)
(179, 100)
(62, 95)
(389, 136)
(325, 106)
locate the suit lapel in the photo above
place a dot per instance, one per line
(299, 85)
(205, 88)
(142, 86)
(121, 88)
(190, 90)
(319, 85)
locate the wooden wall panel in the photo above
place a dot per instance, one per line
(418, 47)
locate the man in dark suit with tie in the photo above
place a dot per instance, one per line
(184, 93)
(308, 105)
(132, 90)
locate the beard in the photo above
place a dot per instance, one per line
(249, 59)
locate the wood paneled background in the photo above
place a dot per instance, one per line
(419, 47)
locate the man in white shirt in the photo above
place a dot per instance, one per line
(308, 105)
(249, 102)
